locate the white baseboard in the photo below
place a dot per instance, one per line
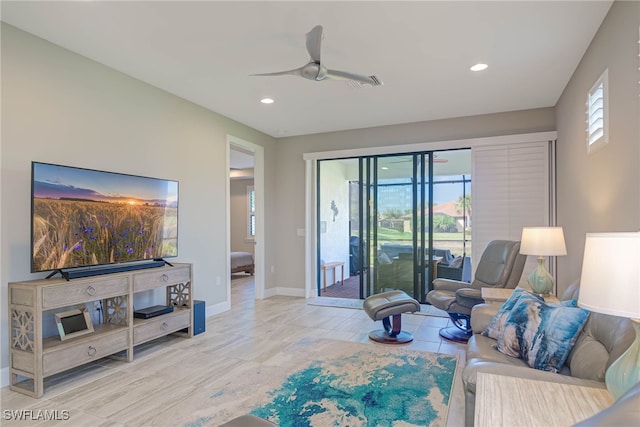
(214, 309)
(287, 292)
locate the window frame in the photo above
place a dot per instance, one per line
(602, 140)
(251, 212)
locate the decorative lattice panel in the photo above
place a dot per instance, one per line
(22, 329)
(116, 310)
(179, 294)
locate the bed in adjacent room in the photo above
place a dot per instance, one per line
(242, 262)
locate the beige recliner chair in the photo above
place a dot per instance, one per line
(500, 266)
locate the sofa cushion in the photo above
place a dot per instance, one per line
(541, 334)
(456, 263)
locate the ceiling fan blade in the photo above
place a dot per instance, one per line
(314, 40)
(295, 72)
(345, 75)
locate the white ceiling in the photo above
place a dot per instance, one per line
(204, 51)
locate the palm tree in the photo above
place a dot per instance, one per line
(464, 205)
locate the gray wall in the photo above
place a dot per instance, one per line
(60, 107)
(291, 179)
(600, 191)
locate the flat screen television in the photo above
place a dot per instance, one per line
(83, 218)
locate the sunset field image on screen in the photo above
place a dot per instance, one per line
(83, 217)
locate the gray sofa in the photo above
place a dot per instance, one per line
(603, 339)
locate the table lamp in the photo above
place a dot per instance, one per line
(542, 242)
(610, 284)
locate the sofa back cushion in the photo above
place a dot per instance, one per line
(602, 340)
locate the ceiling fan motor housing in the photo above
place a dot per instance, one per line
(313, 71)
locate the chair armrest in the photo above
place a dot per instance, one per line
(449, 285)
(481, 315)
(469, 297)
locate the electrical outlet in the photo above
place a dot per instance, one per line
(218, 281)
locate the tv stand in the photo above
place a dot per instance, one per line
(33, 304)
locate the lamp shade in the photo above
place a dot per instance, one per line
(542, 241)
(610, 281)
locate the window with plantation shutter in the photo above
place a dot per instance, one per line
(512, 189)
(597, 114)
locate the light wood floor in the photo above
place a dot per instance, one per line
(112, 393)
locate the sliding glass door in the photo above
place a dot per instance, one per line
(399, 233)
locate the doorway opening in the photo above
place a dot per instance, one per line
(245, 229)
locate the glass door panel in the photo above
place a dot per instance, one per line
(335, 243)
(394, 226)
(452, 214)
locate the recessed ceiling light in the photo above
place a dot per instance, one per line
(478, 67)
(266, 101)
(384, 168)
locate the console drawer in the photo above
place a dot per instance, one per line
(86, 290)
(162, 325)
(166, 276)
(61, 359)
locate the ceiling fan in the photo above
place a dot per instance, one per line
(316, 70)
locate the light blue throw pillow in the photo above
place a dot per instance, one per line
(541, 334)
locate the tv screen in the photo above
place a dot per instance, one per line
(84, 218)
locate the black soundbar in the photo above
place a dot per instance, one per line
(77, 273)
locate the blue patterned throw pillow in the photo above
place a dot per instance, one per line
(497, 322)
(541, 334)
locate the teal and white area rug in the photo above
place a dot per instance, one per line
(317, 382)
(425, 309)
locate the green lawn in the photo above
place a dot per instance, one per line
(391, 235)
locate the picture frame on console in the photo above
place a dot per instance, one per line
(73, 323)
